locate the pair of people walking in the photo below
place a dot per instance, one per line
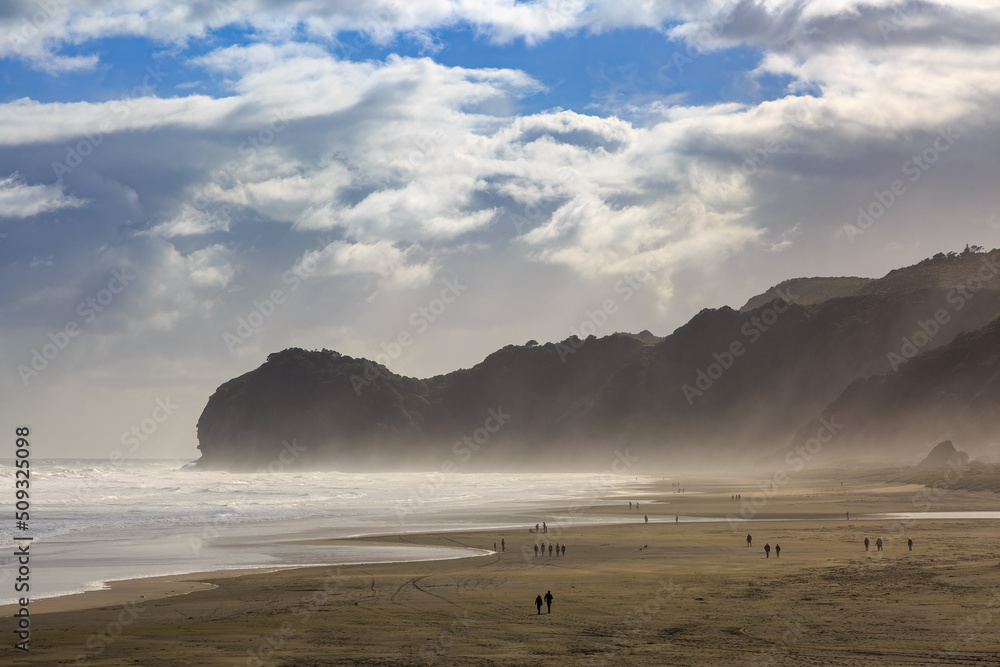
(878, 544)
(548, 602)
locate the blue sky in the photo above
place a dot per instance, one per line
(598, 74)
(357, 156)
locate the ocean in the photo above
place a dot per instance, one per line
(95, 521)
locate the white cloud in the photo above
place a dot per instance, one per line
(393, 266)
(418, 169)
(20, 200)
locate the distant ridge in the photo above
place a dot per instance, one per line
(808, 291)
(851, 368)
(942, 271)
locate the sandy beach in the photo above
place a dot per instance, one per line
(672, 592)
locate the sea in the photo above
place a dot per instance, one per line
(97, 521)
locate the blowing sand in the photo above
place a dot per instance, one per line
(630, 593)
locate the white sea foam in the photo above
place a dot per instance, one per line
(99, 521)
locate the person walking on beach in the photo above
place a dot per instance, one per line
(536, 549)
(538, 603)
(767, 551)
(557, 548)
(630, 504)
(564, 549)
(777, 551)
(866, 544)
(550, 548)
(494, 546)
(503, 546)
(545, 528)
(548, 601)
(848, 516)
(749, 540)
(646, 516)
(878, 544)
(677, 519)
(909, 543)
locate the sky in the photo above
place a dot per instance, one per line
(185, 189)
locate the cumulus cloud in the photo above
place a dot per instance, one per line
(20, 200)
(409, 169)
(392, 266)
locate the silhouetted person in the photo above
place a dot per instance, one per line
(494, 546)
(646, 516)
(866, 544)
(564, 550)
(848, 516)
(878, 544)
(550, 548)
(677, 519)
(777, 551)
(767, 551)
(557, 548)
(503, 546)
(749, 540)
(630, 504)
(545, 528)
(909, 543)
(538, 603)
(536, 527)
(536, 549)
(548, 601)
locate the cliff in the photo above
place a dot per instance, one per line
(728, 387)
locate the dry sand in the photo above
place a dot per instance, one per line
(626, 594)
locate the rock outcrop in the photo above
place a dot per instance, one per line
(892, 364)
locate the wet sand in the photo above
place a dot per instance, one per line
(631, 593)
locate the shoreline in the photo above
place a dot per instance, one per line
(156, 587)
(626, 593)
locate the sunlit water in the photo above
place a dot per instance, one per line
(97, 521)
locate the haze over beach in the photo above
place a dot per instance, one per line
(320, 319)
